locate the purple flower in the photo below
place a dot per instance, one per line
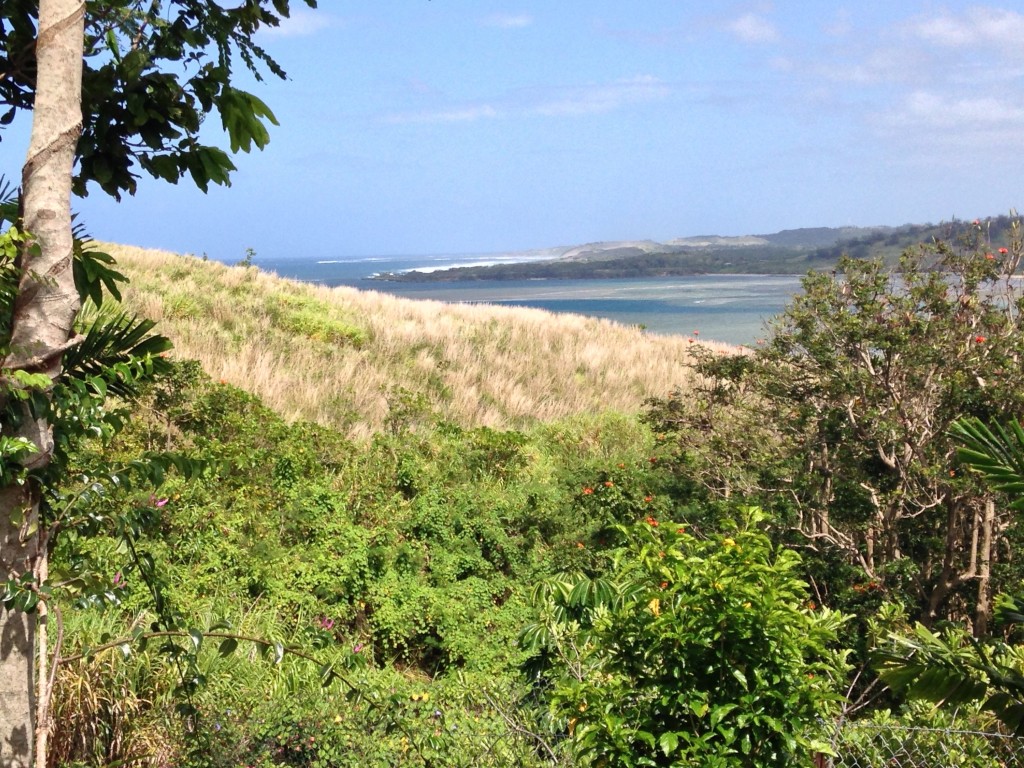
(326, 623)
(358, 647)
(119, 582)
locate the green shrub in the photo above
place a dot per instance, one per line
(691, 652)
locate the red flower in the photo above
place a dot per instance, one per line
(664, 584)
(1003, 251)
(651, 521)
(979, 339)
(648, 499)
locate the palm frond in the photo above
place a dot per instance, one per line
(996, 452)
(114, 340)
(950, 670)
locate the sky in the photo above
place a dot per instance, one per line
(482, 126)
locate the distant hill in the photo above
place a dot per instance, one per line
(819, 237)
(790, 251)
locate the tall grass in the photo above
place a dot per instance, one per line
(344, 357)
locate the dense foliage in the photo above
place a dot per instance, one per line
(594, 591)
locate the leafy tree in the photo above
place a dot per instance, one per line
(147, 73)
(151, 72)
(874, 368)
(865, 372)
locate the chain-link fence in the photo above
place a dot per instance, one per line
(887, 746)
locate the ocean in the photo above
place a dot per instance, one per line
(728, 308)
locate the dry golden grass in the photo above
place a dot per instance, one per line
(338, 355)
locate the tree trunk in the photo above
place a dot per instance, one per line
(17, 629)
(44, 313)
(984, 608)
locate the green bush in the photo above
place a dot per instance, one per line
(693, 651)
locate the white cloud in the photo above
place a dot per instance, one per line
(929, 109)
(976, 27)
(302, 23)
(608, 97)
(508, 21)
(591, 99)
(752, 28)
(467, 114)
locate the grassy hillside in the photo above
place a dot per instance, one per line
(361, 360)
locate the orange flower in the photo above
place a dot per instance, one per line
(648, 499)
(651, 521)
(608, 484)
(588, 491)
(579, 545)
(990, 256)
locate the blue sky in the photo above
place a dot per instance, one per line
(473, 126)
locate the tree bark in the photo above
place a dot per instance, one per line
(984, 608)
(44, 314)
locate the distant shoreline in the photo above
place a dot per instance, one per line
(562, 270)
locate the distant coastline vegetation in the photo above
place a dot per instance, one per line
(793, 251)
